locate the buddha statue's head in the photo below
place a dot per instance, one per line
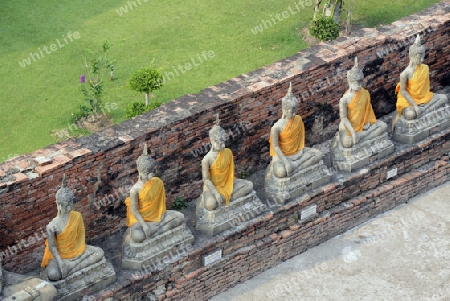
(355, 77)
(217, 136)
(289, 104)
(145, 163)
(416, 52)
(64, 198)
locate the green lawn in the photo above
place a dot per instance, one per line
(38, 99)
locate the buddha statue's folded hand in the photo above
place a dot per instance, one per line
(219, 198)
(146, 228)
(366, 127)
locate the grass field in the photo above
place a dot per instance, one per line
(38, 98)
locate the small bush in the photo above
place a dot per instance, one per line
(324, 28)
(83, 112)
(180, 204)
(137, 108)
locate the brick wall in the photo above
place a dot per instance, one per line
(277, 236)
(100, 167)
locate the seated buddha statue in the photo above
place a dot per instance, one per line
(65, 249)
(414, 98)
(358, 121)
(146, 206)
(220, 186)
(287, 141)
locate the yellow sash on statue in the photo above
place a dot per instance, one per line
(221, 174)
(151, 202)
(292, 139)
(71, 242)
(418, 87)
(360, 111)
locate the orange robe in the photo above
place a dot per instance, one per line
(221, 174)
(291, 140)
(417, 86)
(71, 242)
(360, 111)
(151, 202)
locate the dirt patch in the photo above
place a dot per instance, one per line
(96, 122)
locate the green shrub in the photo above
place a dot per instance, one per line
(82, 113)
(180, 204)
(324, 28)
(137, 108)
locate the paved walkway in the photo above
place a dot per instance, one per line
(403, 254)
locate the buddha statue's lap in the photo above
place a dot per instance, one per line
(241, 188)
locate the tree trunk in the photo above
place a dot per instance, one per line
(333, 9)
(316, 9)
(147, 98)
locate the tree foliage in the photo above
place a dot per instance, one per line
(146, 80)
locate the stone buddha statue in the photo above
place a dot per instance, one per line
(20, 288)
(146, 207)
(65, 249)
(420, 113)
(358, 121)
(294, 168)
(287, 141)
(225, 201)
(414, 97)
(153, 232)
(220, 186)
(361, 138)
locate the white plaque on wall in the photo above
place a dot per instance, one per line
(212, 257)
(392, 173)
(308, 212)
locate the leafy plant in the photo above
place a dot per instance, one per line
(146, 80)
(180, 204)
(137, 108)
(93, 91)
(324, 28)
(244, 174)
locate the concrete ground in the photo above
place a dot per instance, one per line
(403, 254)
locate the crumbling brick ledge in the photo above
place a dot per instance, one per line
(101, 166)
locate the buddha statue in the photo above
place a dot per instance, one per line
(294, 168)
(226, 201)
(146, 206)
(358, 121)
(65, 249)
(414, 98)
(18, 287)
(219, 184)
(287, 141)
(361, 138)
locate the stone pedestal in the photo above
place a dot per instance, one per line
(413, 131)
(31, 289)
(85, 281)
(225, 217)
(360, 155)
(148, 254)
(284, 190)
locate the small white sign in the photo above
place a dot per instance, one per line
(308, 212)
(392, 173)
(212, 257)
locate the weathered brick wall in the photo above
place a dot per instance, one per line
(101, 167)
(277, 236)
